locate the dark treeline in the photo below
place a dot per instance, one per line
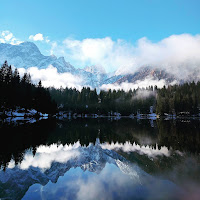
(106, 102)
(16, 91)
(179, 99)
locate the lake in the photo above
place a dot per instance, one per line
(100, 158)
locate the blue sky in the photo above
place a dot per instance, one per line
(128, 20)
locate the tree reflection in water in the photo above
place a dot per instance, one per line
(164, 149)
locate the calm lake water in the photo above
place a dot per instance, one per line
(100, 159)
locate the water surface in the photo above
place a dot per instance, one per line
(100, 159)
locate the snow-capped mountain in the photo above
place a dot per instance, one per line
(94, 78)
(147, 72)
(27, 55)
(157, 74)
(95, 69)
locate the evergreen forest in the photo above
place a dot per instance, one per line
(20, 91)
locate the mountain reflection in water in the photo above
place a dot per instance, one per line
(100, 159)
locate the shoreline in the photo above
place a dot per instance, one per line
(94, 116)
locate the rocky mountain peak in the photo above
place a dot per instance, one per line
(27, 54)
(95, 69)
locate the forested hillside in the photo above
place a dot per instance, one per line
(20, 91)
(179, 98)
(106, 102)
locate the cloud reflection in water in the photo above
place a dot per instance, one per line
(141, 149)
(79, 172)
(46, 155)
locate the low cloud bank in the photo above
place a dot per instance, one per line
(144, 94)
(149, 81)
(51, 78)
(177, 54)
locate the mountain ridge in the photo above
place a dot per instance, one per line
(27, 54)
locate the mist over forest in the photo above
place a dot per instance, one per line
(170, 99)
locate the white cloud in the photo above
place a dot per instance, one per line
(94, 49)
(177, 54)
(149, 81)
(37, 37)
(51, 78)
(2, 40)
(99, 51)
(47, 40)
(8, 37)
